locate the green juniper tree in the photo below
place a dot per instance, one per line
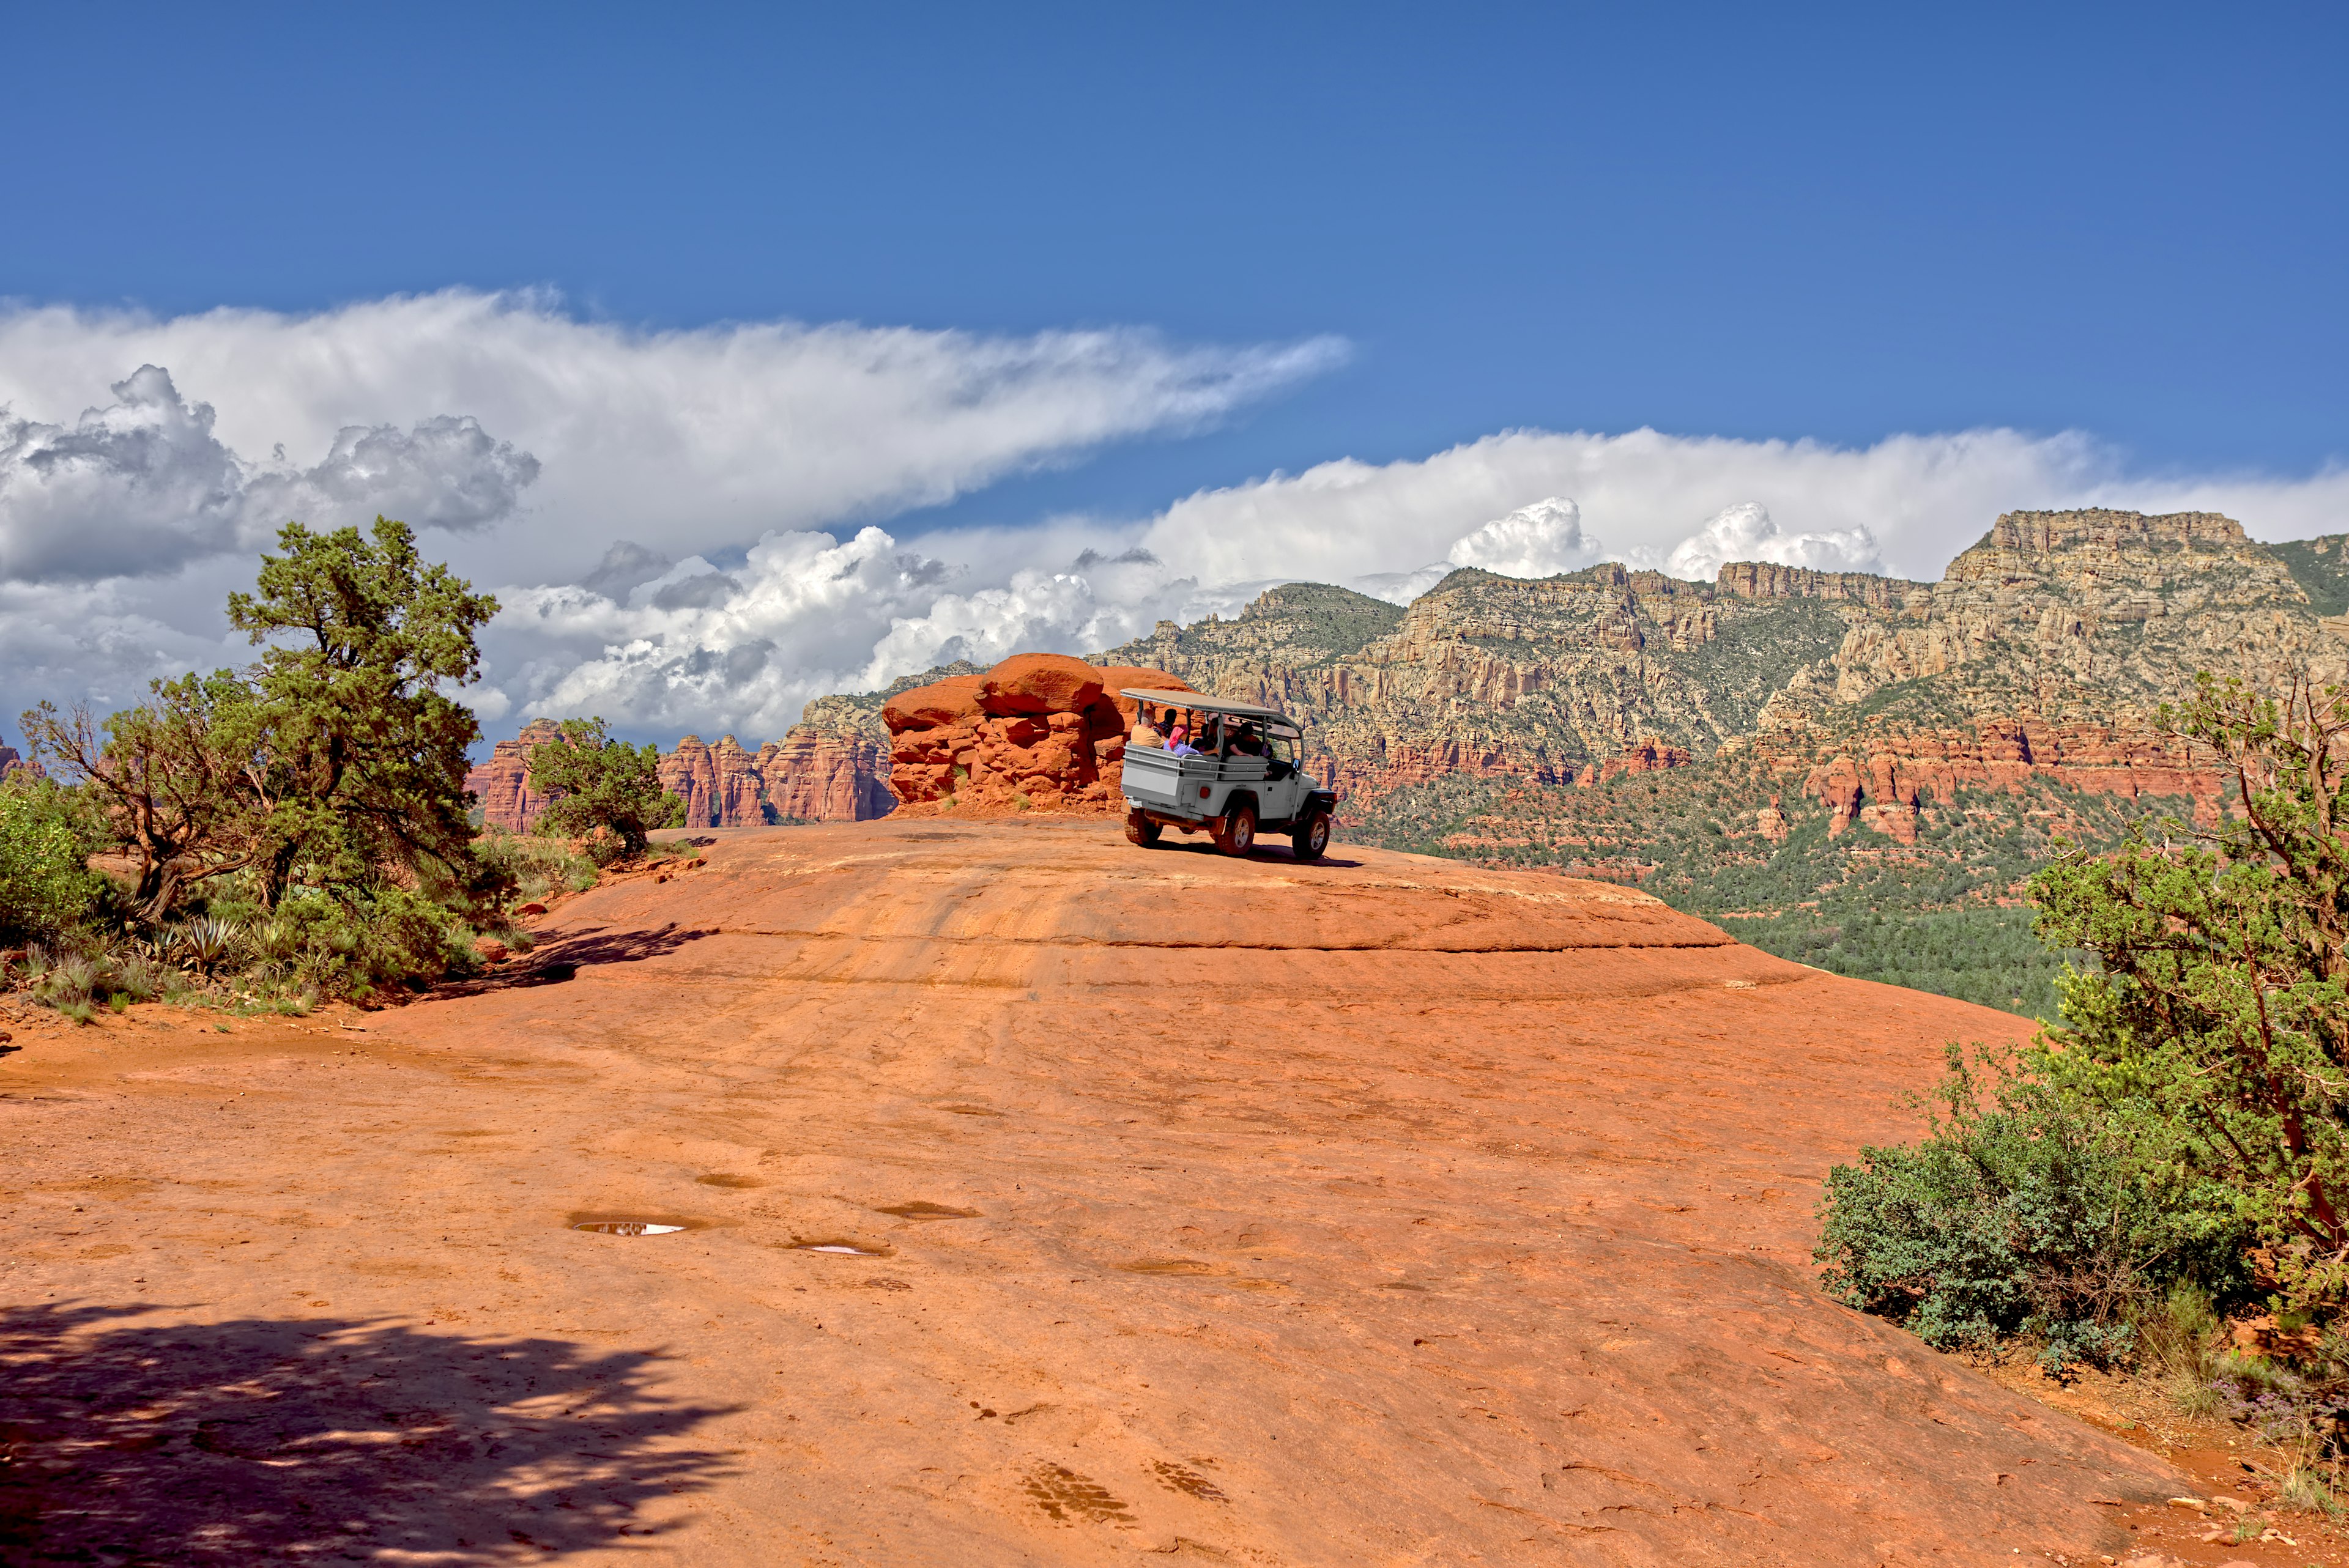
(606, 791)
(365, 754)
(178, 776)
(2216, 1010)
(2188, 1125)
(47, 834)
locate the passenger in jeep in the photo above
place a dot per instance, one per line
(1145, 732)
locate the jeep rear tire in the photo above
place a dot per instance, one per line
(1238, 834)
(1143, 831)
(1312, 839)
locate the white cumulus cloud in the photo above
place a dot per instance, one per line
(1744, 532)
(1538, 540)
(545, 450)
(686, 527)
(807, 614)
(687, 441)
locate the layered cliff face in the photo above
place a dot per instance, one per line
(2091, 616)
(502, 784)
(2043, 650)
(1544, 680)
(833, 767)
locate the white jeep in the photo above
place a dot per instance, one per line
(1249, 779)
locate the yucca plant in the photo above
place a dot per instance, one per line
(207, 941)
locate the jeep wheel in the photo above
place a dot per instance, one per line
(1141, 829)
(1311, 841)
(1238, 836)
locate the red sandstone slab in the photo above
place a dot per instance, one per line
(1382, 1210)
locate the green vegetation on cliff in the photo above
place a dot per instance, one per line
(2320, 567)
(1946, 914)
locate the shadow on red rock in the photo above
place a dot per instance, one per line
(561, 959)
(1264, 854)
(263, 1439)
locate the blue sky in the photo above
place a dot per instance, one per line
(1836, 223)
(1839, 224)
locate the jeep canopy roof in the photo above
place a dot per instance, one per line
(1200, 703)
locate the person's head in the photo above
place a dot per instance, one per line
(1177, 734)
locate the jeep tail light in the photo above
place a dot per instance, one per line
(1203, 791)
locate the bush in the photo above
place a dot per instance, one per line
(536, 867)
(2025, 1212)
(47, 888)
(605, 792)
(2216, 1007)
(346, 946)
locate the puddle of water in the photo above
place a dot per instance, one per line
(628, 1228)
(926, 1212)
(842, 1248)
(722, 1178)
(972, 1110)
(1401, 1285)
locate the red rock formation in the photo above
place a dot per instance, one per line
(11, 762)
(741, 792)
(1902, 770)
(503, 783)
(719, 784)
(1650, 756)
(686, 772)
(1038, 732)
(817, 774)
(830, 767)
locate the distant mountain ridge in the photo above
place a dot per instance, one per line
(1771, 746)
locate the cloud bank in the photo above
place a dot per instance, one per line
(141, 486)
(690, 440)
(692, 529)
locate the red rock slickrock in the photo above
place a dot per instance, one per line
(1039, 732)
(1378, 1211)
(503, 783)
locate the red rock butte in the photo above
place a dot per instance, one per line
(1040, 1199)
(1038, 732)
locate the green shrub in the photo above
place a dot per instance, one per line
(345, 945)
(2025, 1212)
(47, 888)
(606, 793)
(536, 867)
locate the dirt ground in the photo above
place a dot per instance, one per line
(1039, 1199)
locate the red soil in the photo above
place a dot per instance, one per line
(1381, 1210)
